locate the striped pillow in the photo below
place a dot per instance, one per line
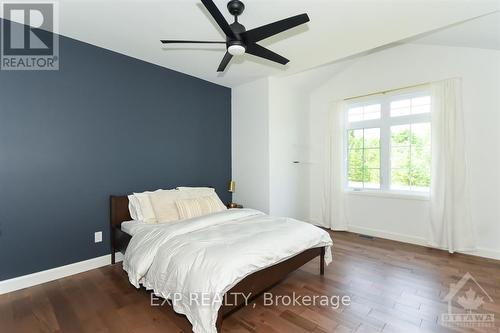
(189, 208)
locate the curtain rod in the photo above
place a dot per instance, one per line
(387, 91)
(398, 89)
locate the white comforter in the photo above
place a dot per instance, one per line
(209, 255)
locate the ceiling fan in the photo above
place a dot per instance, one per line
(240, 41)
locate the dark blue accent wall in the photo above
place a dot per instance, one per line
(103, 124)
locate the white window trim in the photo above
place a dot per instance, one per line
(390, 194)
(384, 123)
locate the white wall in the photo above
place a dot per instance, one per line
(288, 142)
(290, 125)
(407, 65)
(266, 177)
(250, 144)
(269, 132)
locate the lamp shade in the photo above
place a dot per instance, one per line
(232, 186)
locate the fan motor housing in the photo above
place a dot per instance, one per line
(237, 28)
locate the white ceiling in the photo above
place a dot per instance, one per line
(483, 32)
(338, 29)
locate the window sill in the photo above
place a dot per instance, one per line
(390, 194)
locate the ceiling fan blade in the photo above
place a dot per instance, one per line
(262, 52)
(190, 41)
(272, 29)
(225, 61)
(219, 18)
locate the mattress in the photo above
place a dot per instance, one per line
(132, 227)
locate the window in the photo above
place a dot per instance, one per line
(367, 112)
(364, 158)
(388, 142)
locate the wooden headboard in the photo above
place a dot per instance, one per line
(119, 210)
(119, 213)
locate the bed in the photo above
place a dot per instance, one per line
(273, 267)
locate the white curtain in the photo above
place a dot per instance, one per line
(451, 224)
(333, 209)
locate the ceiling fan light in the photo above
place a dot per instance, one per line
(236, 50)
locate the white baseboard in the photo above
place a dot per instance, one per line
(30, 280)
(388, 235)
(479, 252)
(485, 253)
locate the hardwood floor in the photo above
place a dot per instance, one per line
(393, 287)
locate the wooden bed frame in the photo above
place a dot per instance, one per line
(254, 284)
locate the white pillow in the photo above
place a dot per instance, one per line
(140, 207)
(163, 205)
(133, 206)
(189, 208)
(160, 206)
(200, 189)
(146, 212)
(195, 193)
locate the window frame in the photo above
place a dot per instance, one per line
(384, 123)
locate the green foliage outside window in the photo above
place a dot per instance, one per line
(364, 156)
(410, 156)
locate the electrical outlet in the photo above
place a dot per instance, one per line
(98, 237)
